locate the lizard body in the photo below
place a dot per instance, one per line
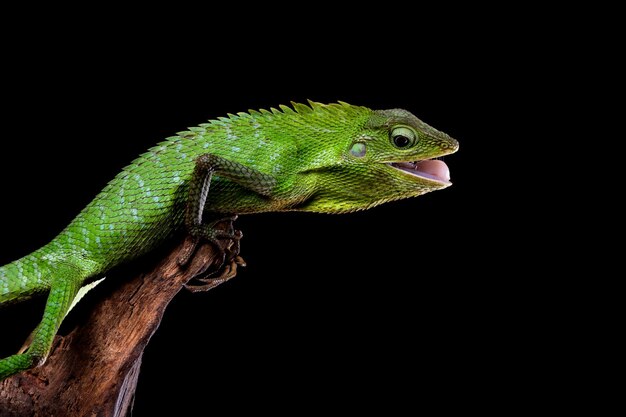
(328, 158)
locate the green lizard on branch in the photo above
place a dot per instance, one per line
(326, 158)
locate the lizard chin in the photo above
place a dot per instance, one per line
(430, 169)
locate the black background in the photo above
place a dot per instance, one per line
(372, 309)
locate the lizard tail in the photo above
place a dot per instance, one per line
(23, 279)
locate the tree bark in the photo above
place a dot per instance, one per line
(93, 370)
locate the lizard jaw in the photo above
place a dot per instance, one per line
(430, 169)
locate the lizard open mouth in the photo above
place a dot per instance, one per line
(430, 169)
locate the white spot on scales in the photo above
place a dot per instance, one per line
(229, 134)
(257, 126)
(139, 180)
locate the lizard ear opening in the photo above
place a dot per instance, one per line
(358, 149)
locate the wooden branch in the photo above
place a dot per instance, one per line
(93, 370)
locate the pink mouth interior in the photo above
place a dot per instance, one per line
(434, 169)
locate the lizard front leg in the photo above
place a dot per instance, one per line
(199, 186)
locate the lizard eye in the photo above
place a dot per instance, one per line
(403, 137)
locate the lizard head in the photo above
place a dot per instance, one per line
(381, 156)
(405, 146)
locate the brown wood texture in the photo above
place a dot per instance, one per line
(93, 370)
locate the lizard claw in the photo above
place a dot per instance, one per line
(188, 250)
(211, 234)
(228, 272)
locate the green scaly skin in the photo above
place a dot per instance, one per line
(333, 158)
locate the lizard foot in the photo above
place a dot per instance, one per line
(209, 232)
(229, 271)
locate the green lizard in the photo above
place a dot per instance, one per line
(327, 158)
